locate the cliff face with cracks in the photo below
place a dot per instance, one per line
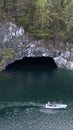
(15, 45)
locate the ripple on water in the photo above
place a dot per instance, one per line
(33, 116)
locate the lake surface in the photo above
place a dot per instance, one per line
(24, 91)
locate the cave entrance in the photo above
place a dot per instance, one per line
(33, 63)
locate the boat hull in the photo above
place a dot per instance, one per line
(56, 106)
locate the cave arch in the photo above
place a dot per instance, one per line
(33, 62)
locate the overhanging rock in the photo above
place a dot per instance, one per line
(15, 45)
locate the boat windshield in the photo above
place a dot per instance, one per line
(48, 102)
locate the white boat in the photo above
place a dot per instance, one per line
(55, 106)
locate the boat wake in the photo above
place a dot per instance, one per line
(32, 106)
(4, 105)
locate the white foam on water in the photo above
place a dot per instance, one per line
(20, 104)
(49, 111)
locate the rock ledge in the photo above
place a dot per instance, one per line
(15, 45)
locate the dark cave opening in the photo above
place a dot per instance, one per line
(33, 63)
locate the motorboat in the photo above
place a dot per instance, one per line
(55, 105)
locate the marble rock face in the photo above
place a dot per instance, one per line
(14, 38)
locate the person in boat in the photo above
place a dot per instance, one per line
(48, 103)
(52, 104)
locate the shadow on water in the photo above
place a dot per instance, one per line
(35, 79)
(38, 63)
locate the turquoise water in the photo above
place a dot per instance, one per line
(24, 93)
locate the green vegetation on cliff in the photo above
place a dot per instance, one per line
(51, 19)
(5, 55)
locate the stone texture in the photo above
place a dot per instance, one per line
(14, 38)
(60, 61)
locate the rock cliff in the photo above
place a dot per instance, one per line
(15, 45)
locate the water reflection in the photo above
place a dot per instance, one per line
(28, 81)
(36, 85)
(24, 93)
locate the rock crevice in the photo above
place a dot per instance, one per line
(15, 45)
